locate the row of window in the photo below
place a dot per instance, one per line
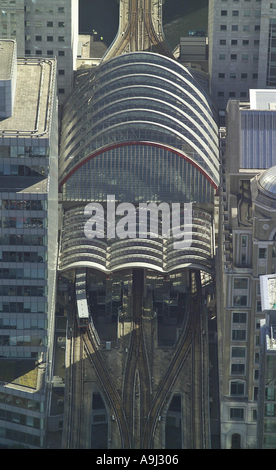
(22, 324)
(21, 151)
(254, 57)
(22, 240)
(38, 8)
(19, 418)
(22, 340)
(26, 291)
(26, 273)
(49, 24)
(27, 306)
(29, 205)
(233, 75)
(48, 38)
(18, 401)
(246, 13)
(23, 222)
(22, 437)
(235, 27)
(234, 42)
(49, 53)
(7, 169)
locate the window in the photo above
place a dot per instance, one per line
(61, 72)
(243, 94)
(237, 369)
(240, 283)
(222, 42)
(262, 253)
(61, 53)
(221, 56)
(243, 75)
(223, 27)
(237, 413)
(236, 441)
(50, 24)
(223, 13)
(61, 91)
(235, 27)
(238, 352)
(245, 42)
(221, 75)
(60, 9)
(233, 57)
(232, 94)
(232, 75)
(239, 317)
(235, 13)
(38, 38)
(61, 38)
(240, 300)
(38, 52)
(50, 38)
(234, 42)
(50, 53)
(220, 94)
(61, 24)
(238, 335)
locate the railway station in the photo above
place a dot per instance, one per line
(140, 129)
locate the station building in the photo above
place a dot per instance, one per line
(28, 239)
(138, 129)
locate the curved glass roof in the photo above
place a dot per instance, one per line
(267, 181)
(139, 97)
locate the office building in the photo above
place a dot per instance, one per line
(47, 29)
(242, 35)
(247, 251)
(267, 376)
(28, 239)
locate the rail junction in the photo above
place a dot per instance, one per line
(137, 410)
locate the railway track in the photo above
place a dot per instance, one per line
(137, 31)
(137, 412)
(112, 394)
(136, 377)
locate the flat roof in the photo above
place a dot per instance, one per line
(33, 103)
(7, 47)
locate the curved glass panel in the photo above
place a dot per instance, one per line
(138, 173)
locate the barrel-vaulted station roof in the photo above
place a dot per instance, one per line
(141, 128)
(134, 98)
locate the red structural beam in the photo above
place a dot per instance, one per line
(128, 143)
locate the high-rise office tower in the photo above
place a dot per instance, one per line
(242, 37)
(28, 240)
(247, 251)
(44, 28)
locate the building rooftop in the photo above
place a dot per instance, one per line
(7, 47)
(33, 99)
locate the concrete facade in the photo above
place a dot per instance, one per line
(247, 251)
(45, 29)
(241, 48)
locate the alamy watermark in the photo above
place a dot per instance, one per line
(140, 222)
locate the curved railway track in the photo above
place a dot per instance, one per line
(112, 394)
(137, 411)
(137, 31)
